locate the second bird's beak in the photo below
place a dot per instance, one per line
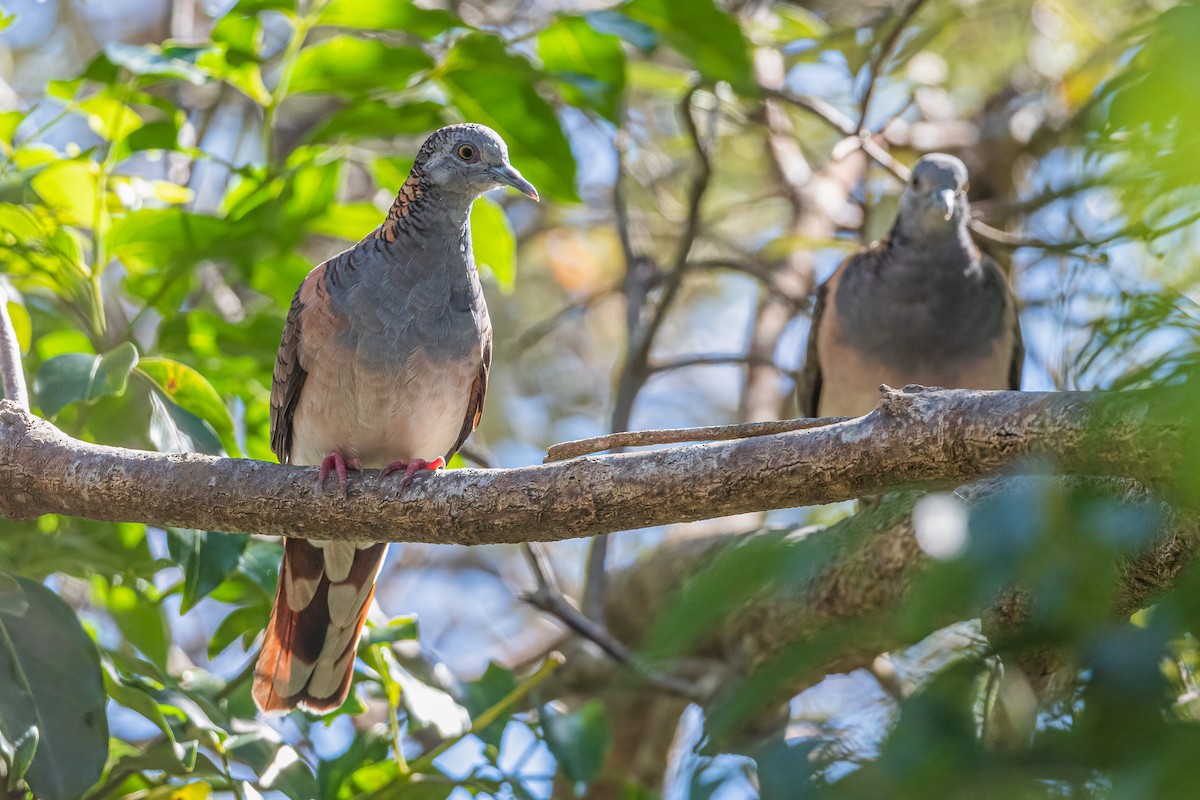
(508, 175)
(944, 201)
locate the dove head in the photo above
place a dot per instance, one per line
(935, 200)
(463, 161)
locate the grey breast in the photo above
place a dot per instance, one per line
(412, 297)
(909, 309)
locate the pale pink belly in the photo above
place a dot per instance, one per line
(380, 417)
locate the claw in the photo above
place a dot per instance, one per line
(411, 468)
(339, 464)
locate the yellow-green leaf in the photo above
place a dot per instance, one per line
(71, 187)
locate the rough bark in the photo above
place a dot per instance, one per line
(915, 438)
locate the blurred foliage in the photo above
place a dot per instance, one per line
(149, 257)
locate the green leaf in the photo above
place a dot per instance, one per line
(590, 64)
(109, 116)
(427, 706)
(638, 34)
(139, 617)
(64, 380)
(379, 120)
(71, 187)
(368, 747)
(76, 377)
(151, 61)
(397, 629)
(350, 221)
(243, 623)
(206, 557)
(12, 599)
(22, 325)
(191, 391)
(708, 37)
(177, 430)
(263, 750)
(24, 751)
(349, 66)
(394, 15)
(495, 684)
(493, 241)
(578, 740)
(157, 135)
(150, 238)
(492, 86)
(181, 757)
(53, 682)
(9, 122)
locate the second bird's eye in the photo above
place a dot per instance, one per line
(466, 152)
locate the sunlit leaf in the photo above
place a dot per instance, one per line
(71, 187)
(350, 221)
(109, 117)
(22, 326)
(279, 766)
(9, 122)
(348, 65)
(590, 64)
(380, 120)
(394, 15)
(710, 38)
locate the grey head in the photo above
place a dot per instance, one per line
(463, 161)
(935, 201)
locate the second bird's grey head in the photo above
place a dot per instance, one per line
(936, 196)
(464, 161)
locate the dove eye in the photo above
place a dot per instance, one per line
(467, 152)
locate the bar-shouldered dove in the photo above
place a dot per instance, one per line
(922, 305)
(383, 363)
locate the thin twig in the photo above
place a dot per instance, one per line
(712, 433)
(881, 57)
(540, 330)
(721, 359)
(550, 599)
(11, 371)
(634, 372)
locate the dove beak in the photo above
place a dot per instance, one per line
(508, 175)
(944, 200)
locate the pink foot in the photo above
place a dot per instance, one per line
(411, 468)
(339, 464)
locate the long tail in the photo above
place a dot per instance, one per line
(307, 656)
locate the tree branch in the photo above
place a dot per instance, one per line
(12, 376)
(915, 438)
